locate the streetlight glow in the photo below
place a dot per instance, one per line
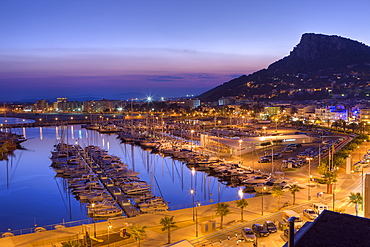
(240, 193)
(192, 192)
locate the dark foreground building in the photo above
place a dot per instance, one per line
(334, 229)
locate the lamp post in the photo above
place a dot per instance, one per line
(309, 178)
(196, 219)
(240, 149)
(263, 190)
(334, 197)
(109, 227)
(93, 207)
(192, 195)
(276, 121)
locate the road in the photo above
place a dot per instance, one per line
(230, 235)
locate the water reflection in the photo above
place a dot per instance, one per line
(29, 189)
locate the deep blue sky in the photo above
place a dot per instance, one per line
(71, 48)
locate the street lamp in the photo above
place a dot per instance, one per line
(93, 207)
(240, 149)
(309, 178)
(192, 195)
(276, 120)
(109, 228)
(359, 153)
(263, 190)
(196, 219)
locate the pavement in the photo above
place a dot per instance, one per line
(183, 217)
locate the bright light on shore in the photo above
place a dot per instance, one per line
(240, 193)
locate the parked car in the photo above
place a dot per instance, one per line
(270, 226)
(264, 160)
(260, 230)
(310, 213)
(277, 156)
(318, 208)
(248, 234)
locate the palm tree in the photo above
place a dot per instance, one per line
(278, 193)
(222, 209)
(168, 224)
(356, 199)
(294, 189)
(138, 232)
(242, 203)
(73, 243)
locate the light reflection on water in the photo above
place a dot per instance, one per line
(30, 194)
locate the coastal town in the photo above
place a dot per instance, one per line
(295, 158)
(184, 123)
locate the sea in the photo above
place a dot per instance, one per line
(32, 195)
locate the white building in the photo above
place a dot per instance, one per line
(332, 113)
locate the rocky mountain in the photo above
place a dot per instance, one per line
(318, 67)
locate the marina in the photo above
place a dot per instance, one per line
(42, 187)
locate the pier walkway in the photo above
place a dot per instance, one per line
(114, 191)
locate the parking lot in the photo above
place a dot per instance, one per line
(277, 157)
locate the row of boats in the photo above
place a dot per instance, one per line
(230, 173)
(103, 182)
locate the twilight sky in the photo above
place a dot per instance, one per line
(117, 49)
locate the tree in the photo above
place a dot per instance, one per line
(330, 179)
(294, 189)
(73, 243)
(242, 203)
(138, 232)
(222, 209)
(335, 125)
(356, 199)
(278, 193)
(168, 224)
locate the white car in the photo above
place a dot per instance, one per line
(309, 213)
(248, 234)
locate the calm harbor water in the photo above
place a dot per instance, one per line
(30, 193)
